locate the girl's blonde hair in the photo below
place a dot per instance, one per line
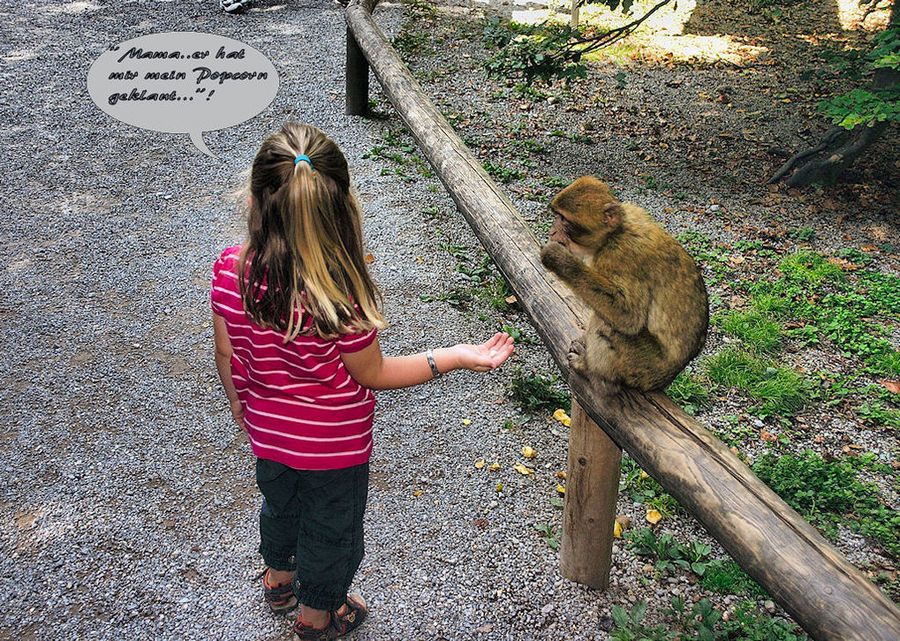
(305, 250)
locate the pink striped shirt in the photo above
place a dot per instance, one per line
(301, 407)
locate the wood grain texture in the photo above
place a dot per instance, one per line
(827, 595)
(592, 487)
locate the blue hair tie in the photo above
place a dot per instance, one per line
(302, 158)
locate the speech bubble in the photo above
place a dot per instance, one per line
(183, 82)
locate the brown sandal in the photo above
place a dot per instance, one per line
(340, 622)
(280, 598)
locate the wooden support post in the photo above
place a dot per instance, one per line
(575, 17)
(592, 487)
(357, 80)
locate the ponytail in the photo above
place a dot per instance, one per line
(304, 255)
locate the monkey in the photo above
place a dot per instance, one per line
(650, 310)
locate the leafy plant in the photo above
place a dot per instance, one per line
(643, 488)
(829, 493)
(537, 392)
(550, 536)
(629, 625)
(878, 104)
(668, 552)
(690, 392)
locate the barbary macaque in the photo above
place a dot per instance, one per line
(649, 301)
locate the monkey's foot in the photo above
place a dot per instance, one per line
(577, 356)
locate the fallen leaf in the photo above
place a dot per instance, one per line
(369, 258)
(893, 386)
(494, 466)
(617, 530)
(499, 487)
(561, 416)
(624, 520)
(528, 452)
(466, 421)
(869, 248)
(644, 475)
(479, 464)
(418, 492)
(560, 489)
(560, 475)
(767, 436)
(653, 516)
(511, 300)
(521, 469)
(419, 259)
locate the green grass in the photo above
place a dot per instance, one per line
(848, 311)
(779, 390)
(690, 392)
(757, 330)
(727, 577)
(828, 493)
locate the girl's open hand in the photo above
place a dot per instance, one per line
(488, 355)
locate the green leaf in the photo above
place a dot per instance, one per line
(619, 616)
(638, 610)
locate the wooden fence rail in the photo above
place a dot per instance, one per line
(804, 573)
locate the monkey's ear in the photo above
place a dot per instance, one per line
(612, 214)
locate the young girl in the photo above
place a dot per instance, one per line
(295, 321)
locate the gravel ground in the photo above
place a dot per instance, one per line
(129, 507)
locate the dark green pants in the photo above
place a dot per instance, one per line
(311, 522)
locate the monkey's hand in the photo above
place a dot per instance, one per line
(558, 259)
(577, 356)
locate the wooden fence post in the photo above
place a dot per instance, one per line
(357, 79)
(592, 487)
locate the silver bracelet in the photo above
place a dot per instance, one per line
(434, 370)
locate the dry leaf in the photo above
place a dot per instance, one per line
(521, 469)
(418, 492)
(767, 436)
(560, 475)
(644, 475)
(499, 487)
(893, 386)
(494, 466)
(479, 464)
(419, 259)
(560, 489)
(617, 530)
(369, 258)
(528, 452)
(561, 416)
(511, 300)
(624, 520)
(653, 516)
(466, 421)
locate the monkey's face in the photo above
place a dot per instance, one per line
(565, 232)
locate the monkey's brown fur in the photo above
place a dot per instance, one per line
(650, 307)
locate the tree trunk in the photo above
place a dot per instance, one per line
(839, 148)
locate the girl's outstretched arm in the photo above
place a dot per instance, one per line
(373, 370)
(223, 365)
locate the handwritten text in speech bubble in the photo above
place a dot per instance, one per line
(183, 82)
